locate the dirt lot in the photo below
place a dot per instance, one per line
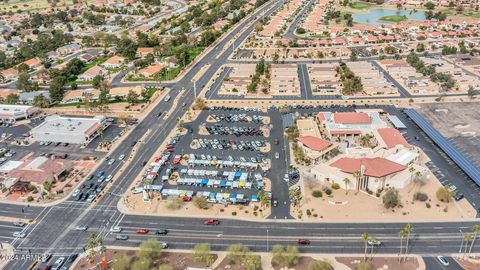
(176, 260)
(390, 263)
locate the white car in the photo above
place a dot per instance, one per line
(116, 229)
(451, 188)
(19, 234)
(58, 263)
(121, 157)
(81, 228)
(443, 260)
(111, 161)
(277, 155)
(286, 178)
(374, 243)
(137, 190)
(75, 193)
(109, 177)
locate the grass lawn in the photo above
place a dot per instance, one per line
(393, 18)
(360, 5)
(473, 14)
(94, 62)
(168, 74)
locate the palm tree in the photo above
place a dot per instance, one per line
(357, 174)
(365, 239)
(467, 237)
(401, 234)
(408, 230)
(476, 230)
(347, 182)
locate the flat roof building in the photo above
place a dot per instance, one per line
(75, 130)
(11, 113)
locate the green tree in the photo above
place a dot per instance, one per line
(12, 98)
(150, 249)
(467, 238)
(430, 5)
(121, 262)
(285, 257)
(408, 230)
(203, 252)
(320, 265)
(132, 97)
(347, 182)
(365, 240)
(23, 81)
(402, 235)
(56, 88)
(40, 101)
(237, 252)
(141, 264)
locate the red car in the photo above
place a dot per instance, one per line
(142, 231)
(303, 242)
(211, 222)
(186, 198)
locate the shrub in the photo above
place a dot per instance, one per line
(234, 213)
(175, 204)
(444, 195)
(335, 186)
(309, 213)
(317, 194)
(365, 266)
(419, 196)
(328, 191)
(319, 265)
(391, 199)
(428, 205)
(200, 202)
(29, 199)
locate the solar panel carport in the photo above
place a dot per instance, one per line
(464, 163)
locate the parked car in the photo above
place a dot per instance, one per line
(443, 260)
(46, 257)
(451, 188)
(19, 234)
(58, 263)
(72, 257)
(19, 224)
(458, 196)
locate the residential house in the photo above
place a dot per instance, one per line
(91, 73)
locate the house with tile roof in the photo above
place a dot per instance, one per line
(315, 148)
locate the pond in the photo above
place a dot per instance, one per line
(373, 16)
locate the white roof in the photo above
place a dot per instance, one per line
(10, 166)
(69, 126)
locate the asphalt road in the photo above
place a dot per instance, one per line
(432, 263)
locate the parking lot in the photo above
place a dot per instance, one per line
(226, 156)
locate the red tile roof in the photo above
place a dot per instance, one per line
(392, 137)
(321, 116)
(351, 118)
(375, 167)
(314, 143)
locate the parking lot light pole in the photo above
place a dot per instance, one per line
(194, 89)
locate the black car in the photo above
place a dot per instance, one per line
(162, 231)
(458, 196)
(80, 197)
(72, 257)
(133, 143)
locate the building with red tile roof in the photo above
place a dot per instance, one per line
(390, 138)
(315, 148)
(351, 118)
(375, 167)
